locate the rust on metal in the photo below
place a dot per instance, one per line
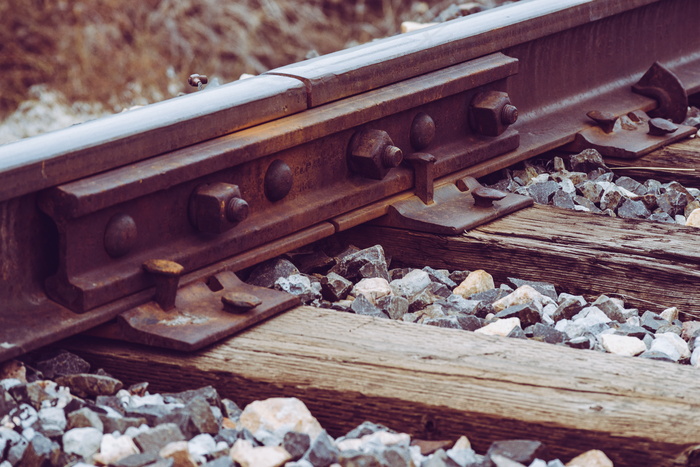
(491, 112)
(605, 120)
(633, 136)
(198, 318)
(121, 235)
(278, 180)
(663, 85)
(166, 277)
(239, 302)
(456, 208)
(372, 154)
(217, 207)
(422, 131)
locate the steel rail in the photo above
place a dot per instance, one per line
(64, 194)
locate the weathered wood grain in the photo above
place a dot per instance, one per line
(654, 265)
(437, 383)
(684, 156)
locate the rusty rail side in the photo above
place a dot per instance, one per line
(559, 59)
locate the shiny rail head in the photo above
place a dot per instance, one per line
(60, 156)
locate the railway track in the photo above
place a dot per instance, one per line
(146, 215)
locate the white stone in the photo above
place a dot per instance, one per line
(590, 316)
(372, 288)
(411, 284)
(179, 452)
(82, 441)
(693, 219)
(279, 414)
(670, 314)
(462, 443)
(568, 186)
(680, 219)
(520, 296)
(566, 296)
(200, 446)
(676, 341)
(592, 458)
(384, 438)
(477, 281)
(354, 444)
(114, 448)
(628, 346)
(501, 327)
(53, 417)
(246, 455)
(695, 357)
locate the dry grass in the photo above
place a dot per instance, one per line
(125, 52)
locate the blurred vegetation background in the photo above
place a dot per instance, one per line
(108, 55)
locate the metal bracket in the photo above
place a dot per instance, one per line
(204, 312)
(628, 137)
(455, 208)
(661, 84)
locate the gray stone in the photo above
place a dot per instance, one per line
(138, 460)
(542, 192)
(393, 305)
(520, 450)
(601, 175)
(52, 421)
(630, 209)
(322, 452)
(121, 424)
(335, 287)
(209, 393)
(441, 276)
(567, 308)
(202, 419)
(12, 445)
(517, 333)
(267, 273)
(651, 321)
(661, 217)
(34, 393)
(355, 458)
(39, 451)
(90, 385)
(369, 262)
(580, 342)
(672, 202)
(470, 322)
(110, 402)
(362, 306)
(548, 334)
(411, 284)
(154, 439)
(562, 199)
(223, 461)
(459, 276)
(303, 286)
(153, 413)
(611, 199)
(421, 300)
(296, 444)
(439, 290)
(656, 355)
(456, 304)
(545, 288)
(590, 191)
(7, 402)
(230, 409)
(626, 329)
(365, 428)
(652, 186)
(398, 456)
(611, 308)
(490, 296)
(444, 322)
(84, 417)
(632, 185)
(61, 364)
(587, 161)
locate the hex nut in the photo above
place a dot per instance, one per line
(217, 207)
(371, 153)
(490, 113)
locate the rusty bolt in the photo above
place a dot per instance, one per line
(485, 197)
(490, 113)
(371, 153)
(239, 302)
(605, 120)
(166, 276)
(198, 81)
(422, 131)
(120, 235)
(216, 207)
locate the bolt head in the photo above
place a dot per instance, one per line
(371, 153)
(490, 113)
(212, 208)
